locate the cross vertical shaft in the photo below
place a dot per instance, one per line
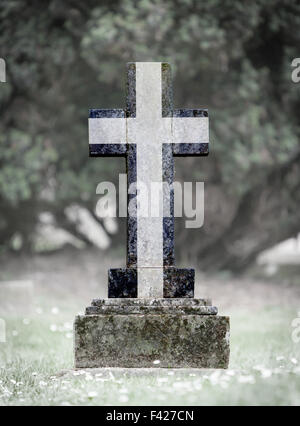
(149, 170)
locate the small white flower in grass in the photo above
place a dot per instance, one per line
(92, 394)
(192, 375)
(34, 373)
(177, 384)
(246, 379)
(224, 385)
(156, 362)
(197, 386)
(26, 321)
(65, 404)
(214, 377)
(259, 367)
(280, 358)
(296, 370)
(15, 333)
(68, 326)
(162, 379)
(13, 381)
(88, 377)
(123, 398)
(266, 373)
(182, 385)
(42, 383)
(53, 327)
(54, 310)
(294, 361)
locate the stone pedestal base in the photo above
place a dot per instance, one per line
(141, 332)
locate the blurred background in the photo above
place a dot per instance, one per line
(63, 58)
(231, 57)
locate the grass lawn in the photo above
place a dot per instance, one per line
(264, 363)
(263, 368)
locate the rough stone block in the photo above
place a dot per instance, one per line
(137, 334)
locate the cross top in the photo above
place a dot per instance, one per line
(149, 132)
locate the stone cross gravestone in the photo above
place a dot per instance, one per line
(151, 313)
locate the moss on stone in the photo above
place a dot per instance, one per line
(138, 340)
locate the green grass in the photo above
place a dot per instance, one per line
(263, 369)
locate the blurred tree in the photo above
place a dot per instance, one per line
(232, 57)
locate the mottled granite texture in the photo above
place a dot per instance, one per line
(167, 302)
(137, 333)
(146, 310)
(122, 282)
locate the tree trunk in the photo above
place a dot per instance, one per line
(267, 214)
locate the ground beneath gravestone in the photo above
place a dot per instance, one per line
(39, 297)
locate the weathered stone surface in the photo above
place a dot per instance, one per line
(178, 282)
(111, 340)
(168, 205)
(166, 90)
(131, 90)
(132, 200)
(146, 310)
(122, 282)
(168, 302)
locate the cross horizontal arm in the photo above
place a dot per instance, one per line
(107, 132)
(190, 132)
